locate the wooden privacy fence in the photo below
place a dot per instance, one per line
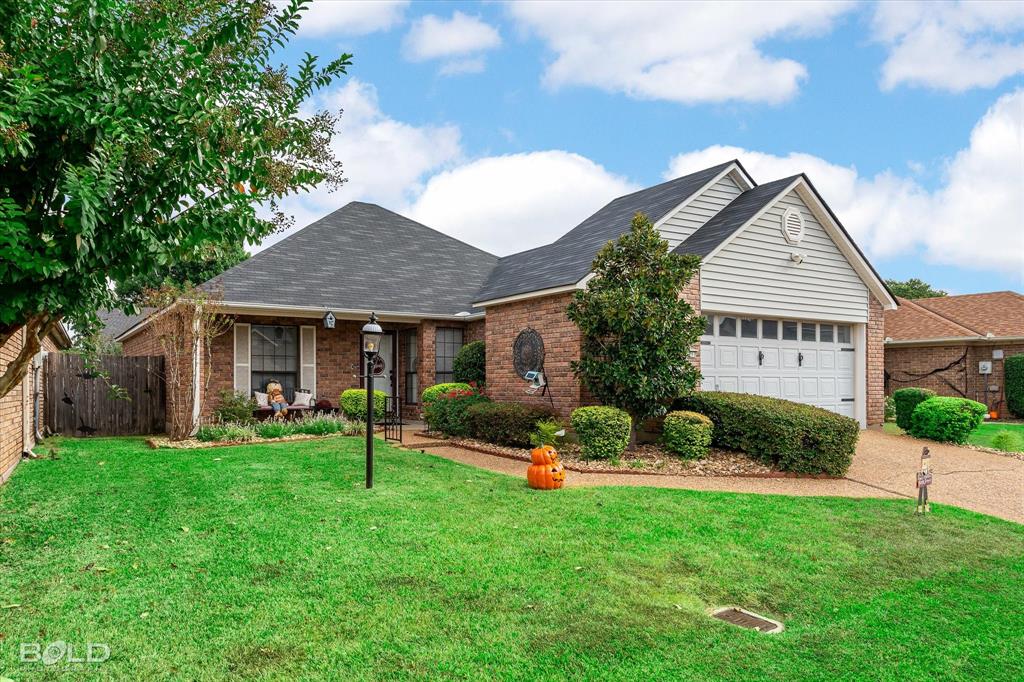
(80, 403)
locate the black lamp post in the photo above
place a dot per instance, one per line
(371, 346)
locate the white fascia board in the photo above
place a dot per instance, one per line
(751, 221)
(954, 340)
(315, 312)
(533, 294)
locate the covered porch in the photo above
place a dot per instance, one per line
(319, 352)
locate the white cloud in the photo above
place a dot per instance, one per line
(687, 52)
(506, 204)
(385, 160)
(351, 17)
(456, 67)
(950, 46)
(975, 219)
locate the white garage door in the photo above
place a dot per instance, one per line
(806, 362)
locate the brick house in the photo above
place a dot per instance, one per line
(21, 410)
(954, 345)
(794, 308)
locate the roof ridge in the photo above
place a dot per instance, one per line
(413, 220)
(717, 166)
(934, 313)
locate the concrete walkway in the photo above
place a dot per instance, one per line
(884, 466)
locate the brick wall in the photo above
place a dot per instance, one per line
(875, 365)
(902, 363)
(561, 345)
(691, 294)
(17, 430)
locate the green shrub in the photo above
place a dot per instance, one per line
(470, 364)
(449, 412)
(906, 399)
(227, 432)
(431, 392)
(274, 428)
(234, 406)
(792, 436)
(950, 420)
(1013, 384)
(326, 424)
(353, 404)
(506, 423)
(603, 431)
(687, 434)
(546, 433)
(1007, 441)
(890, 409)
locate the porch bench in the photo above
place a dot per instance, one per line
(264, 413)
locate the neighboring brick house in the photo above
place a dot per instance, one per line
(22, 409)
(954, 345)
(794, 308)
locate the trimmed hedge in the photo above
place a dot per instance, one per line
(431, 392)
(449, 412)
(353, 404)
(506, 423)
(906, 399)
(687, 434)
(949, 420)
(1013, 383)
(792, 436)
(603, 432)
(470, 363)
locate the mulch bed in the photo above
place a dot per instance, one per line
(165, 443)
(646, 459)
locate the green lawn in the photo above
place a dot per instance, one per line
(982, 435)
(273, 561)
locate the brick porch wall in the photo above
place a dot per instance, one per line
(561, 345)
(875, 365)
(900, 362)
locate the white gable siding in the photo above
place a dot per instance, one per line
(698, 211)
(754, 274)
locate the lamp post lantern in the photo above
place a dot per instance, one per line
(371, 347)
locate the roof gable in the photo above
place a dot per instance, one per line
(568, 259)
(720, 230)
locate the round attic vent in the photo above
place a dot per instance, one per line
(792, 226)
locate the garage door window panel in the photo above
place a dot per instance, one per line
(789, 330)
(808, 332)
(727, 326)
(825, 333)
(770, 329)
(748, 328)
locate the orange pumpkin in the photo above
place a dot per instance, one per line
(546, 472)
(545, 454)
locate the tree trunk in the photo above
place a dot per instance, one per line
(632, 432)
(36, 329)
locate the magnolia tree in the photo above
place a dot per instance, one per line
(139, 133)
(636, 329)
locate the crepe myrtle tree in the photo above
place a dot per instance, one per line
(138, 133)
(636, 329)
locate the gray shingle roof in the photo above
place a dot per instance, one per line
(362, 257)
(115, 322)
(568, 259)
(731, 218)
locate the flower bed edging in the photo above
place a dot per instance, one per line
(441, 442)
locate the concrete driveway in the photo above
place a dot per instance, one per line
(981, 481)
(885, 466)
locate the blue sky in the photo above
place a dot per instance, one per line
(505, 124)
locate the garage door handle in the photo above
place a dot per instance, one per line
(800, 359)
(760, 357)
